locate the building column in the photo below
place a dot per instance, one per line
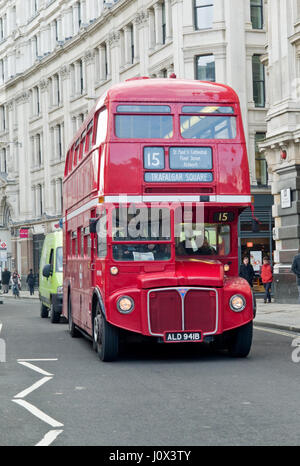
(169, 28)
(158, 24)
(127, 45)
(151, 28)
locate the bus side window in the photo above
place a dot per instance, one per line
(82, 242)
(100, 128)
(74, 243)
(102, 235)
(51, 259)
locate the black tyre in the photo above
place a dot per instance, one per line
(105, 337)
(44, 311)
(74, 332)
(240, 341)
(54, 316)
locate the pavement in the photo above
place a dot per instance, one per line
(273, 315)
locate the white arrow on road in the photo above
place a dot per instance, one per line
(19, 399)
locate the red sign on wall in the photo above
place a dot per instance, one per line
(23, 232)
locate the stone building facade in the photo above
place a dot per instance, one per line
(282, 145)
(57, 56)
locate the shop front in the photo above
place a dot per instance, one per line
(256, 238)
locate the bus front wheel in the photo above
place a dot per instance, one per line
(240, 341)
(105, 337)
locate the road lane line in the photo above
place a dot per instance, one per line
(1, 325)
(49, 438)
(33, 387)
(290, 334)
(33, 360)
(35, 368)
(38, 413)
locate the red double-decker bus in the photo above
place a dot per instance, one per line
(155, 181)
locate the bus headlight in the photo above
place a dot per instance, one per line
(237, 303)
(125, 304)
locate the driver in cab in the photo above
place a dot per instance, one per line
(191, 248)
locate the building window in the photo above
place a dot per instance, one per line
(2, 118)
(258, 82)
(205, 68)
(4, 161)
(257, 19)
(39, 150)
(81, 76)
(203, 12)
(131, 43)
(163, 15)
(261, 168)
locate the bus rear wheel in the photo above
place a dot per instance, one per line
(105, 337)
(240, 342)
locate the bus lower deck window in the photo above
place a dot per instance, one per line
(142, 252)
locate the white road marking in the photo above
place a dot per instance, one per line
(52, 434)
(290, 334)
(32, 360)
(33, 387)
(38, 413)
(49, 438)
(34, 368)
(1, 325)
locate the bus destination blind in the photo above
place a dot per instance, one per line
(178, 177)
(190, 158)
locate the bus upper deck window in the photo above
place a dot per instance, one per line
(207, 109)
(143, 122)
(208, 127)
(101, 127)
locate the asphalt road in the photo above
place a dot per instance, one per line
(159, 395)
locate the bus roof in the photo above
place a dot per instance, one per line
(176, 90)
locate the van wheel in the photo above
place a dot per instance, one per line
(241, 341)
(44, 311)
(105, 337)
(54, 316)
(74, 332)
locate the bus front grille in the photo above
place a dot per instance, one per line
(176, 309)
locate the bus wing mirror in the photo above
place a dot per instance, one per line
(93, 225)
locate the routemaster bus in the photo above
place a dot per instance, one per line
(155, 180)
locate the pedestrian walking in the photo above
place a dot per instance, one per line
(30, 282)
(16, 284)
(247, 271)
(267, 278)
(5, 280)
(296, 270)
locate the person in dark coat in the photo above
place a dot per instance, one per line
(296, 270)
(5, 280)
(247, 271)
(30, 282)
